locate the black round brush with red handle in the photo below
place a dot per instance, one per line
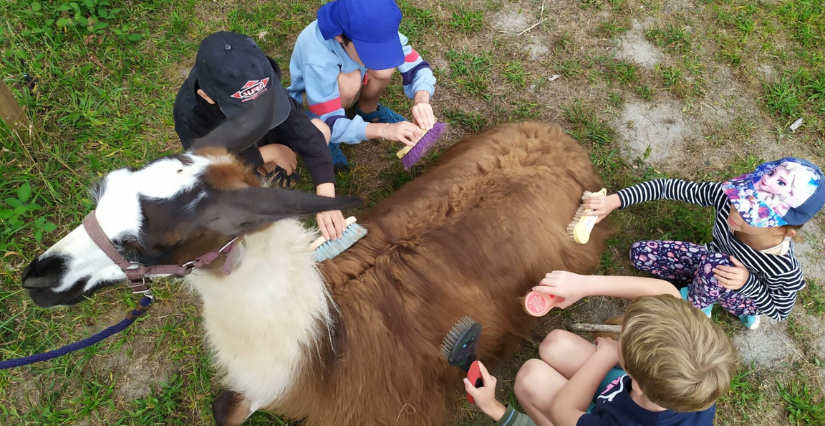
(460, 347)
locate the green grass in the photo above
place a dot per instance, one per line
(618, 71)
(514, 73)
(467, 21)
(645, 92)
(744, 395)
(471, 121)
(753, 30)
(613, 28)
(812, 298)
(782, 98)
(673, 39)
(470, 71)
(803, 404)
(417, 20)
(671, 76)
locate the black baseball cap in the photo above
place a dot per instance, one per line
(232, 70)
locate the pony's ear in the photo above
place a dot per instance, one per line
(234, 212)
(244, 129)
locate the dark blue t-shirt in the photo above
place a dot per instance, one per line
(615, 407)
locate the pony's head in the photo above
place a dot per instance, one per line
(169, 212)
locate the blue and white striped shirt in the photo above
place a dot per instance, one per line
(774, 280)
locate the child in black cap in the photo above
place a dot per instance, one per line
(231, 70)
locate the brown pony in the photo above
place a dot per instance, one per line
(356, 340)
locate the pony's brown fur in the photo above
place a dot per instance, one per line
(468, 237)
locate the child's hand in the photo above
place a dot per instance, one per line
(610, 347)
(566, 285)
(331, 224)
(732, 277)
(280, 155)
(404, 132)
(601, 206)
(485, 396)
(423, 116)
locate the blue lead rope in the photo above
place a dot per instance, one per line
(145, 302)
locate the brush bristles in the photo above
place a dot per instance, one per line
(350, 236)
(452, 337)
(576, 218)
(423, 145)
(581, 234)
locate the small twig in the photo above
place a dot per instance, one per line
(791, 346)
(531, 27)
(97, 61)
(596, 327)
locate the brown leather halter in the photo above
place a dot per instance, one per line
(137, 272)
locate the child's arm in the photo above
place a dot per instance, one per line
(774, 296)
(573, 287)
(416, 74)
(574, 398)
(419, 84)
(704, 194)
(485, 400)
(307, 141)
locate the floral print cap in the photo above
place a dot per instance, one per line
(783, 192)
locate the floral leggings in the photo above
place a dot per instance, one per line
(690, 265)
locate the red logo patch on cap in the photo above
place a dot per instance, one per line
(251, 90)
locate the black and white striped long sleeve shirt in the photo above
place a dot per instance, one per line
(774, 280)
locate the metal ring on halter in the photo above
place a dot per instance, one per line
(146, 293)
(228, 244)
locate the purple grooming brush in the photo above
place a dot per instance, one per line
(412, 155)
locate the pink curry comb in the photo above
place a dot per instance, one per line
(538, 304)
(412, 154)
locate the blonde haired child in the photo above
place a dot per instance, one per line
(676, 364)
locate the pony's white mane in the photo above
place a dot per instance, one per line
(263, 319)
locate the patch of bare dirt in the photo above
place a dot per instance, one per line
(654, 129)
(634, 47)
(510, 20)
(770, 346)
(811, 249)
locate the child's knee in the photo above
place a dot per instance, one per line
(637, 249)
(530, 379)
(557, 345)
(325, 130)
(713, 260)
(381, 74)
(349, 84)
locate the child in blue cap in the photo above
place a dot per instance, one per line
(749, 268)
(346, 58)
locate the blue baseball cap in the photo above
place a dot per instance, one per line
(789, 191)
(372, 25)
(232, 70)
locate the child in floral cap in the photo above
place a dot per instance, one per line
(749, 268)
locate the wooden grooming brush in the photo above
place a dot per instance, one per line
(579, 229)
